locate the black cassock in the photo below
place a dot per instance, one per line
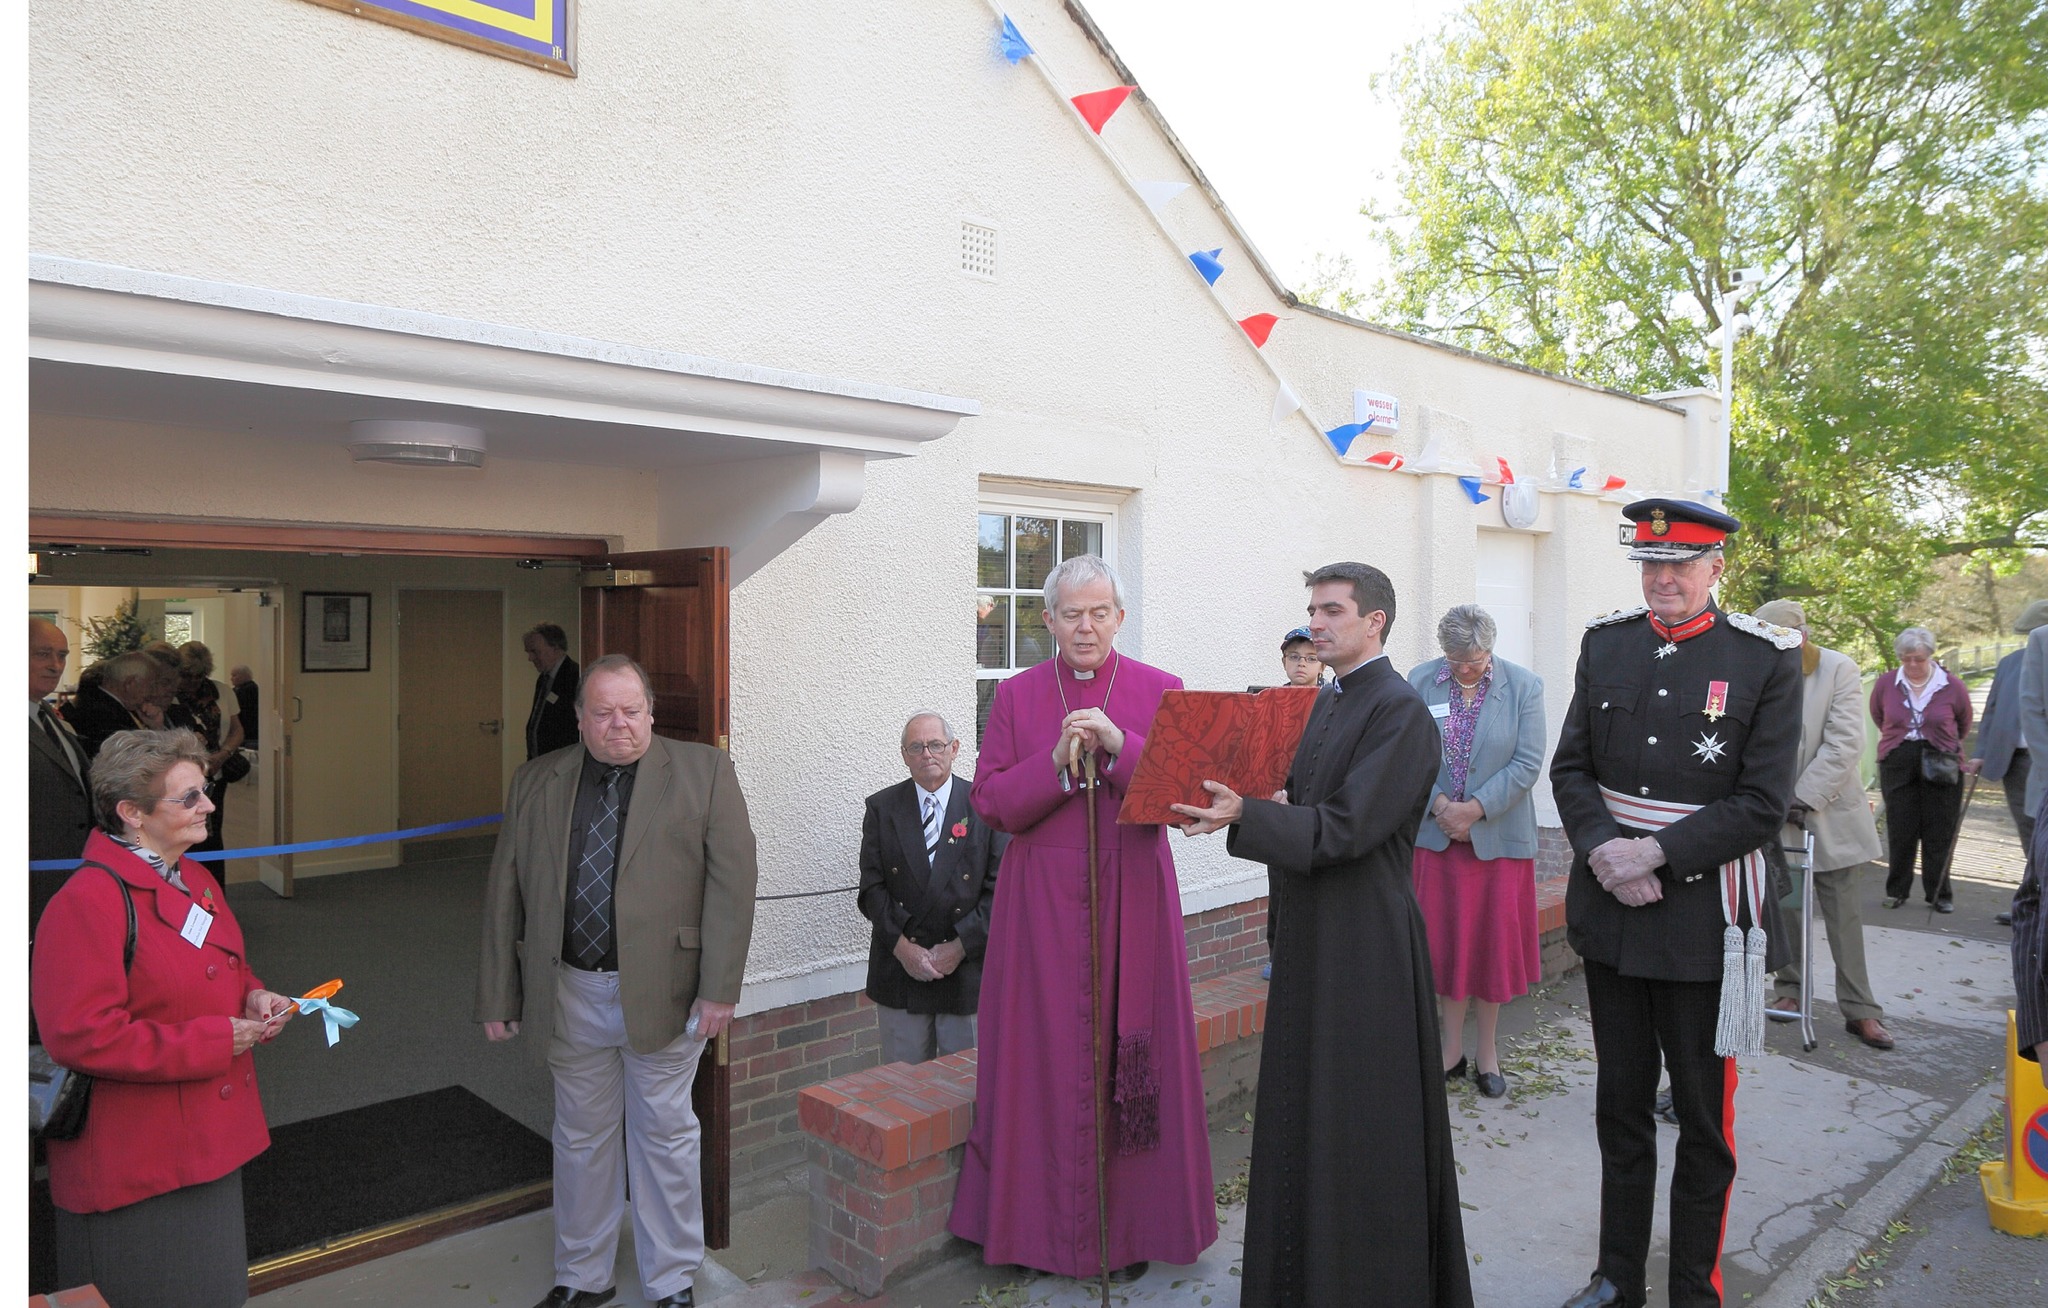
(1354, 1193)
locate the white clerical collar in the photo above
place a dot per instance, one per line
(1338, 679)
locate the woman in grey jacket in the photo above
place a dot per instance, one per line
(1475, 856)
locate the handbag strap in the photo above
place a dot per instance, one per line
(127, 902)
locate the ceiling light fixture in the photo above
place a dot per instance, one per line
(416, 444)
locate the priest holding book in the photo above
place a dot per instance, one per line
(1028, 1191)
(1354, 1192)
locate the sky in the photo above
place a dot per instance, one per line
(1274, 101)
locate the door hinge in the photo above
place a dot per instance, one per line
(608, 577)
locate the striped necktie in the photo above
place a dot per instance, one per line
(931, 825)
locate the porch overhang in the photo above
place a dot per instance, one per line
(130, 345)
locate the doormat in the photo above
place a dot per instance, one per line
(332, 1176)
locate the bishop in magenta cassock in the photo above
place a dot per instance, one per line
(1027, 1190)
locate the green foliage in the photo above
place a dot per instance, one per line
(1582, 176)
(116, 633)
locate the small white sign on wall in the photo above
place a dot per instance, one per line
(1384, 411)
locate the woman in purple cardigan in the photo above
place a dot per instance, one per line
(1919, 710)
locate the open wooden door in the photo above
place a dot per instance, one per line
(668, 610)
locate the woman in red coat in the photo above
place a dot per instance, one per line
(149, 1195)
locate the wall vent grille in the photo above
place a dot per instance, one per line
(978, 250)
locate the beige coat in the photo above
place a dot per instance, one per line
(683, 898)
(1831, 734)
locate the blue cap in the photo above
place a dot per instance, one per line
(1299, 633)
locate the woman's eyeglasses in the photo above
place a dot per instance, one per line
(190, 799)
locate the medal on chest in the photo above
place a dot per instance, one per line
(1717, 700)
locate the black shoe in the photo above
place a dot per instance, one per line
(1455, 1072)
(1491, 1084)
(1944, 906)
(1599, 1293)
(683, 1298)
(564, 1297)
(2003, 919)
(1667, 1114)
(1895, 901)
(1125, 1275)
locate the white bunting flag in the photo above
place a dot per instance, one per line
(1157, 194)
(1285, 402)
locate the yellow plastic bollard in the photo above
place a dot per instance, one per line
(2016, 1188)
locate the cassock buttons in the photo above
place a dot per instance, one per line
(226, 1090)
(211, 971)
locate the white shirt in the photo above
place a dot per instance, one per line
(943, 796)
(1917, 700)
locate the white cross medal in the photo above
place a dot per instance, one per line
(1709, 748)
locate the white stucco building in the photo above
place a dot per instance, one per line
(833, 286)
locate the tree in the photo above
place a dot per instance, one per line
(1581, 177)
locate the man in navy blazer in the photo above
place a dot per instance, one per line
(928, 883)
(2002, 743)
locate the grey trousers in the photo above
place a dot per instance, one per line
(1836, 890)
(621, 1114)
(920, 1037)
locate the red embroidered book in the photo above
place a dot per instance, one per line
(1246, 741)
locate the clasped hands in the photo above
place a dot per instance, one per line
(1627, 869)
(1457, 817)
(929, 964)
(1083, 731)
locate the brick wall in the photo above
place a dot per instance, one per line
(779, 1052)
(1553, 853)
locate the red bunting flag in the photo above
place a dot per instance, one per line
(1259, 326)
(1507, 474)
(1097, 106)
(1387, 459)
(1612, 484)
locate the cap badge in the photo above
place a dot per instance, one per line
(1659, 527)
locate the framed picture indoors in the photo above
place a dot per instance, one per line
(334, 631)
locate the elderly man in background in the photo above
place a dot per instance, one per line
(616, 922)
(1828, 803)
(551, 723)
(2003, 751)
(927, 882)
(59, 795)
(128, 694)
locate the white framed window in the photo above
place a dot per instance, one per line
(1021, 535)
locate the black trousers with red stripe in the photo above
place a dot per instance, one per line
(1640, 1026)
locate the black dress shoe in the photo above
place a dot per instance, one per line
(1944, 906)
(1664, 1110)
(1456, 1071)
(1599, 1293)
(564, 1297)
(1125, 1275)
(683, 1298)
(1491, 1084)
(2003, 919)
(1894, 901)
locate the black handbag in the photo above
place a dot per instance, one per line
(57, 1096)
(1940, 768)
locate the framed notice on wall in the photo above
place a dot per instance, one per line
(537, 32)
(334, 631)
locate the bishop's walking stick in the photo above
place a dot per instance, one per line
(1095, 1027)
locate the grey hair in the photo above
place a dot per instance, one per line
(1913, 640)
(614, 663)
(1079, 570)
(1466, 627)
(929, 713)
(135, 668)
(130, 767)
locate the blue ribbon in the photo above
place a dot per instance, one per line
(266, 851)
(335, 1018)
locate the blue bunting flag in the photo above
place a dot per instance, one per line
(1012, 42)
(1471, 485)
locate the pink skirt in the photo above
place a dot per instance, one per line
(1481, 916)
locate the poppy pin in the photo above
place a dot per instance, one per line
(959, 830)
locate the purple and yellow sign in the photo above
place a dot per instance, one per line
(538, 32)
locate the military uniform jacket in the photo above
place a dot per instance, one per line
(1650, 718)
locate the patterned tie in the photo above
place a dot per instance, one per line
(590, 935)
(931, 825)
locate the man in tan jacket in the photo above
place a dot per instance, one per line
(616, 923)
(1828, 801)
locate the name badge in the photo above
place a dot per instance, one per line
(1440, 710)
(553, 698)
(197, 923)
